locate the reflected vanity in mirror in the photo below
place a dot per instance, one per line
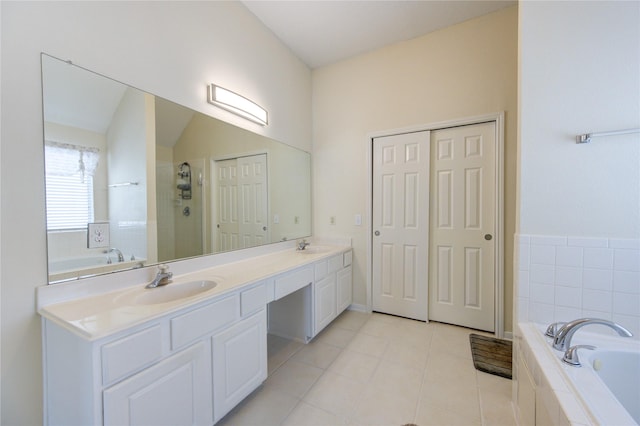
(133, 179)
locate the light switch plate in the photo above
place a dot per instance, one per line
(98, 235)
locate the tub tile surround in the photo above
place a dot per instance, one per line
(553, 393)
(562, 278)
(566, 395)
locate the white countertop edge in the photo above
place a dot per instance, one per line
(100, 284)
(170, 309)
(55, 297)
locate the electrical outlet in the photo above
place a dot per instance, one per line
(332, 220)
(358, 219)
(98, 235)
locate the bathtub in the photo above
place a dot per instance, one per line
(73, 268)
(620, 372)
(609, 379)
(604, 391)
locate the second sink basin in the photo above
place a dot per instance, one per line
(173, 291)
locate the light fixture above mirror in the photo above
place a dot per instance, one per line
(237, 104)
(166, 179)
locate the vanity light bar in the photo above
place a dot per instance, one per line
(237, 104)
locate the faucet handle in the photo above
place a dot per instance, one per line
(163, 267)
(571, 355)
(552, 330)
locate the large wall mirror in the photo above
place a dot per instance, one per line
(134, 180)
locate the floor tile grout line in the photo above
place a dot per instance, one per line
(424, 373)
(402, 335)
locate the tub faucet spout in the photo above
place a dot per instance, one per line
(562, 340)
(120, 255)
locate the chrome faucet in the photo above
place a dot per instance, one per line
(562, 341)
(571, 355)
(553, 329)
(120, 255)
(162, 278)
(302, 244)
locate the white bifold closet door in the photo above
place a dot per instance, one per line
(462, 244)
(401, 224)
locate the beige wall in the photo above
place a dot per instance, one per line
(466, 70)
(288, 172)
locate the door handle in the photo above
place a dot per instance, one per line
(377, 233)
(488, 237)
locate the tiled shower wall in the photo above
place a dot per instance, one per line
(563, 278)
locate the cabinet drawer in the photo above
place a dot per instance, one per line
(320, 269)
(292, 281)
(124, 356)
(347, 258)
(323, 268)
(253, 299)
(205, 320)
(335, 263)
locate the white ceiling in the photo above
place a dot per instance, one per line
(324, 32)
(73, 96)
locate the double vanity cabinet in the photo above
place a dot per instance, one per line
(186, 362)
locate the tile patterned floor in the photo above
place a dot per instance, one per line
(373, 369)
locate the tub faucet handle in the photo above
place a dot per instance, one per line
(571, 355)
(552, 330)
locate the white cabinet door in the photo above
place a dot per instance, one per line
(325, 302)
(344, 289)
(239, 362)
(175, 391)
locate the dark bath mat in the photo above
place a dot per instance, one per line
(491, 355)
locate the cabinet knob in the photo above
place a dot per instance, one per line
(488, 237)
(377, 233)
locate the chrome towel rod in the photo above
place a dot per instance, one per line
(115, 185)
(586, 137)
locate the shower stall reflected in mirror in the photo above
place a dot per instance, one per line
(180, 204)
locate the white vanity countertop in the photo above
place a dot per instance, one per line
(101, 315)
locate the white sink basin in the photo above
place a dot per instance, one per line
(172, 292)
(314, 250)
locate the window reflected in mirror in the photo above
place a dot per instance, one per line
(133, 179)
